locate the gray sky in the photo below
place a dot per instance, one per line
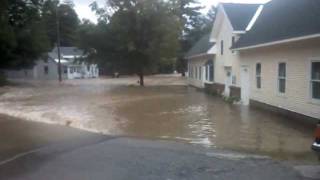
(83, 10)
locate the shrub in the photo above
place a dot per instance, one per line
(3, 80)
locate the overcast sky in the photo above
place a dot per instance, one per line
(83, 9)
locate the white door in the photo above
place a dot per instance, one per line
(245, 85)
(228, 82)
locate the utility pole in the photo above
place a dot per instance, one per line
(58, 43)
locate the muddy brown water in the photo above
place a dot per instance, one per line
(177, 113)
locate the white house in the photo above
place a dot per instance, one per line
(268, 55)
(280, 58)
(72, 64)
(232, 21)
(201, 62)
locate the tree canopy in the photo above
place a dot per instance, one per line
(22, 35)
(132, 36)
(28, 30)
(68, 19)
(138, 36)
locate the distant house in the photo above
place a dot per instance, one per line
(232, 21)
(72, 66)
(280, 58)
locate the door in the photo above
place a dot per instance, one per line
(245, 85)
(228, 81)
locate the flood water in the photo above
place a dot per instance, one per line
(176, 112)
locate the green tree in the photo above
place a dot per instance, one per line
(189, 15)
(203, 26)
(199, 26)
(22, 33)
(68, 19)
(138, 35)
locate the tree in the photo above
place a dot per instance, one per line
(7, 38)
(188, 12)
(68, 20)
(138, 35)
(22, 33)
(202, 27)
(199, 26)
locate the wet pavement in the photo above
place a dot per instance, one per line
(19, 136)
(57, 152)
(165, 109)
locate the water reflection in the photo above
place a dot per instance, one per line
(185, 114)
(168, 112)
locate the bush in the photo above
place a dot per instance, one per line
(3, 80)
(231, 100)
(211, 92)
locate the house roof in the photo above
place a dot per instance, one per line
(281, 20)
(201, 47)
(240, 15)
(69, 51)
(66, 54)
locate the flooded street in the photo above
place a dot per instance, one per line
(165, 109)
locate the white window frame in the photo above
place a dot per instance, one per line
(282, 78)
(310, 80)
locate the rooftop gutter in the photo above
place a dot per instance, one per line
(198, 55)
(277, 42)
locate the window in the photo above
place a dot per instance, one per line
(46, 70)
(200, 73)
(196, 72)
(234, 80)
(221, 47)
(209, 71)
(258, 76)
(192, 75)
(65, 69)
(315, 80)
(282, 74)
(233, 41)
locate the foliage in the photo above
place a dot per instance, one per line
(68, 20)
(138, 36)
(3, 80)
(28, 30)
(231, 99)
(198, 26)
(22, 35)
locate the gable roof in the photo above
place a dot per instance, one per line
(240, 15)
(69, 51)
(282, 20)
(66, 53)
(201, 47)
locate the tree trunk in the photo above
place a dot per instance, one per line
(141, 79)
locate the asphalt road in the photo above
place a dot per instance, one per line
(87, 156)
